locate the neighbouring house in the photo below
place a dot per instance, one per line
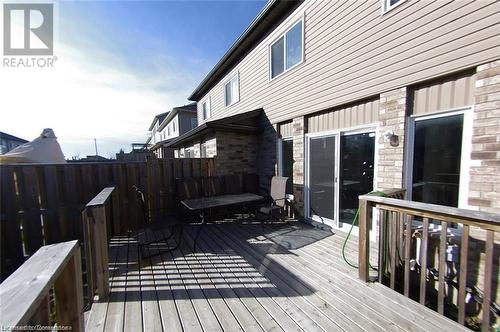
(169, 125)
(350, 97)
(139, 152)
(9, 142)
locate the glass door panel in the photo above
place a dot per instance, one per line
(322, 178)
(357, 153)
(287, 162)
(437, 151)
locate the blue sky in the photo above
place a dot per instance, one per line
(119, 64)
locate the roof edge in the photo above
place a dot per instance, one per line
(283, 9)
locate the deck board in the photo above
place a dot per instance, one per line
(241, 279)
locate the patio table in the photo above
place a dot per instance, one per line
(204, 204)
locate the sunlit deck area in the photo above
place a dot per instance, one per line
(244, 276)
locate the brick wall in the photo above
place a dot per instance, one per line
(267, 154)
(392, 112)
(298, 132)
(484, 185)
(236, 152)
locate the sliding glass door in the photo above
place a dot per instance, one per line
(322, 176)
(437, 153)
(357, 164)
(340, 167)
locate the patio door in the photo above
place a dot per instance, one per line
(357, 165)
(340, 167)
(437, 168)
(322, 178)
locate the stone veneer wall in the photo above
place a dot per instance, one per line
(484, 183)
(392, 112)
(298, 132)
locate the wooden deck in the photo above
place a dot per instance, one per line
(241, 279)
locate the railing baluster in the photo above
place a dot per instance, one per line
(488, 271)
(407, 255)
(462, 278)
(381, 245)
(393, 248)
(442, 267)
(423, 260)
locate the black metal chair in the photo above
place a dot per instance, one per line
(156, 228)
(275, 209)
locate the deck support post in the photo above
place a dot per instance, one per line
(364, 239)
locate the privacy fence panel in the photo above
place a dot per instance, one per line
(42, 203)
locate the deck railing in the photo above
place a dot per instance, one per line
(25, 294)
(406, 234)
(96, 221)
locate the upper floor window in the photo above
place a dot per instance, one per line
(231, 91)
(390, 4)
(287, 51)
(205, 109)
(173, 126)
(194, 123)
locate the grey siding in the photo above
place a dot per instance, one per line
(185, 121)
(353, 52)
(444, 94)
(344, 117)
(286, 129)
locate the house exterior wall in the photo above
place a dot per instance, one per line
(361, 113)
(236, 153)
(352, 52)
(185, 121)
(484, 185)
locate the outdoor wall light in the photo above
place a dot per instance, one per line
(392, 138)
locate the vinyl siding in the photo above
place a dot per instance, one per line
(353, 52)
(286, 129)
(444, 95)
(345, 117)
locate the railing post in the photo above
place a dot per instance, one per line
(101, 250)
(364, 239)
(69, 294)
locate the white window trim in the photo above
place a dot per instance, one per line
(236, 77)
(209, 109)
(270, 72)
(338, 133)
(280, 152)
(465, 161)
(387, 8)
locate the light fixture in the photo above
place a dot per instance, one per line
(392, 138)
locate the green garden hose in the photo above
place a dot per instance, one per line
(354, 221)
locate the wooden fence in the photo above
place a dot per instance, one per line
(41, 204)
(429, 252)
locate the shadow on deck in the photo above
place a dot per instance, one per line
(246, 277)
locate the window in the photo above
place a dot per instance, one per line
(205, 109)
(168, 131)
(173, 126)
(390, 4)
(287, 51)
(286, 162)
(231, 91)
(194, 123)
